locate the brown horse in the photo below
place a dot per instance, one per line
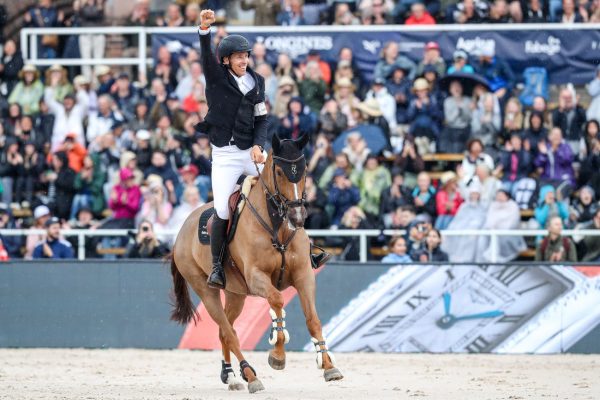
(270, 252)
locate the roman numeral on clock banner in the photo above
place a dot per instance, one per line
(416, 300)
(384, 325)
(478, 345)
(508, 275)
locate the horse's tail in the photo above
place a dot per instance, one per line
(183, 308)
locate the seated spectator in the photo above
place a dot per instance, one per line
(371, 181)
(146, 243)
(569, 117)
(286, 90)
(554, 247)
(569, 13)
(192, 15)
(164, 170)
(535, 12)
(555, 159)
(549, 206)
(346, 55)
(593, 89)
(57, 78)
(28, 92)
(584, 207)
(424, 195)
(156, 207)
(345, 69)
(341, 162)
(460, 63)
(399, 85)
(515, 162)
(321, 158)
(60, 181)
(332, 120)
(396, 195)
(312, 86)
(29, 133)
(11, 163)
(357, 150)
(497, 73)
(447, 200)
(271, 82)
(10, 245)
(354, 218)
(41, 214)
(190, 201)
(425, 116)
(589, 153)
(397, 255)
(84, 219)
(11, 62)
(344, 94)
(324, 67)
(513, 118)
(296, 123)
(101, 122)
(417, 234)
(385, 103)
(53, 246)
(293, 15)
(536, 132)
(376, 12)
(141, 117)
(284, 67)
(342, 195)
(28, 180)
(467, 12)
(419, 16)
(391, 58)
(457, 118)
(45, 15)
(502, 214)
(172, 17)
(470, 216)
(591, 244)
(165, 69)
(124, 201)
(343, 16)
(407, 158)
(474, 157)
(89, 184)
(487, 119)
(316, 203)
(76, 153)
(431, 56)
(489, 184)
(265, 12)
(432, 251)
(401, 218)
(192, 76)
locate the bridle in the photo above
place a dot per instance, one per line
(278, 207)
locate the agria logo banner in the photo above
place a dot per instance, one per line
(484, 308)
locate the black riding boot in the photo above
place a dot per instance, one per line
(218, 241)
(320, 258)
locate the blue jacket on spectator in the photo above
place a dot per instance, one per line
(61, 249)
(424, 121)
(544, 211)
(342, 200)
(498, 74)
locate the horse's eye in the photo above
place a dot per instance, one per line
(279, 173)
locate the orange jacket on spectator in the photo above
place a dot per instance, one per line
(427, 19)
(76, 153)
(442, 198)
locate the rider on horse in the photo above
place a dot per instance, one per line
(236, 123)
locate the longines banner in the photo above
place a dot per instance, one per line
(570, 55)
(475, 309)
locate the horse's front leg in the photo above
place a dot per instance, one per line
(260, 284)
(305, 286)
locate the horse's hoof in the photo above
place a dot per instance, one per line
(236, 386)
(333, 374)
(255, 386)
(276, 363)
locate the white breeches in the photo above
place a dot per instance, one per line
(228, 164)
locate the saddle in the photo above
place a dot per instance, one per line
(236, 205)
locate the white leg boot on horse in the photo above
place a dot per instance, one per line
(325, 360)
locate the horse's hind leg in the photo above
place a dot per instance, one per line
(212, 302)
(261, 285)
(234, 303)
(306, 292)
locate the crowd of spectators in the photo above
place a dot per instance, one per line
(106, 148)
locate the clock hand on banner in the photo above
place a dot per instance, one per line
(448, 320)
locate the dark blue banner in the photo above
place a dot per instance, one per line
(569, 55)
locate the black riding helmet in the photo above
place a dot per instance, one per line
(233, 44)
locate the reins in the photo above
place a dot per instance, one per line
(277, 207)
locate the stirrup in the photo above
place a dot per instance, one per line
(317, 260)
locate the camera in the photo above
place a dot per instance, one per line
(145, 229)
(421, 228)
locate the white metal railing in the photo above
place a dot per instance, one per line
(362, 235)
(29, 36)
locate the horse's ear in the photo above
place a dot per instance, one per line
(301, 141)
(275, 143)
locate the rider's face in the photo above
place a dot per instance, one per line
(238, 62)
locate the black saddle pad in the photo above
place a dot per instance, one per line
(203, 235)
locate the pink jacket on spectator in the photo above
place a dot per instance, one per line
(127, 203)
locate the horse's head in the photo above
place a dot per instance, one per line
(289, 173)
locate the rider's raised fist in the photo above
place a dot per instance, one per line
(207, 18)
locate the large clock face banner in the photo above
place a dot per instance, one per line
(479, 308)
(568, 54)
